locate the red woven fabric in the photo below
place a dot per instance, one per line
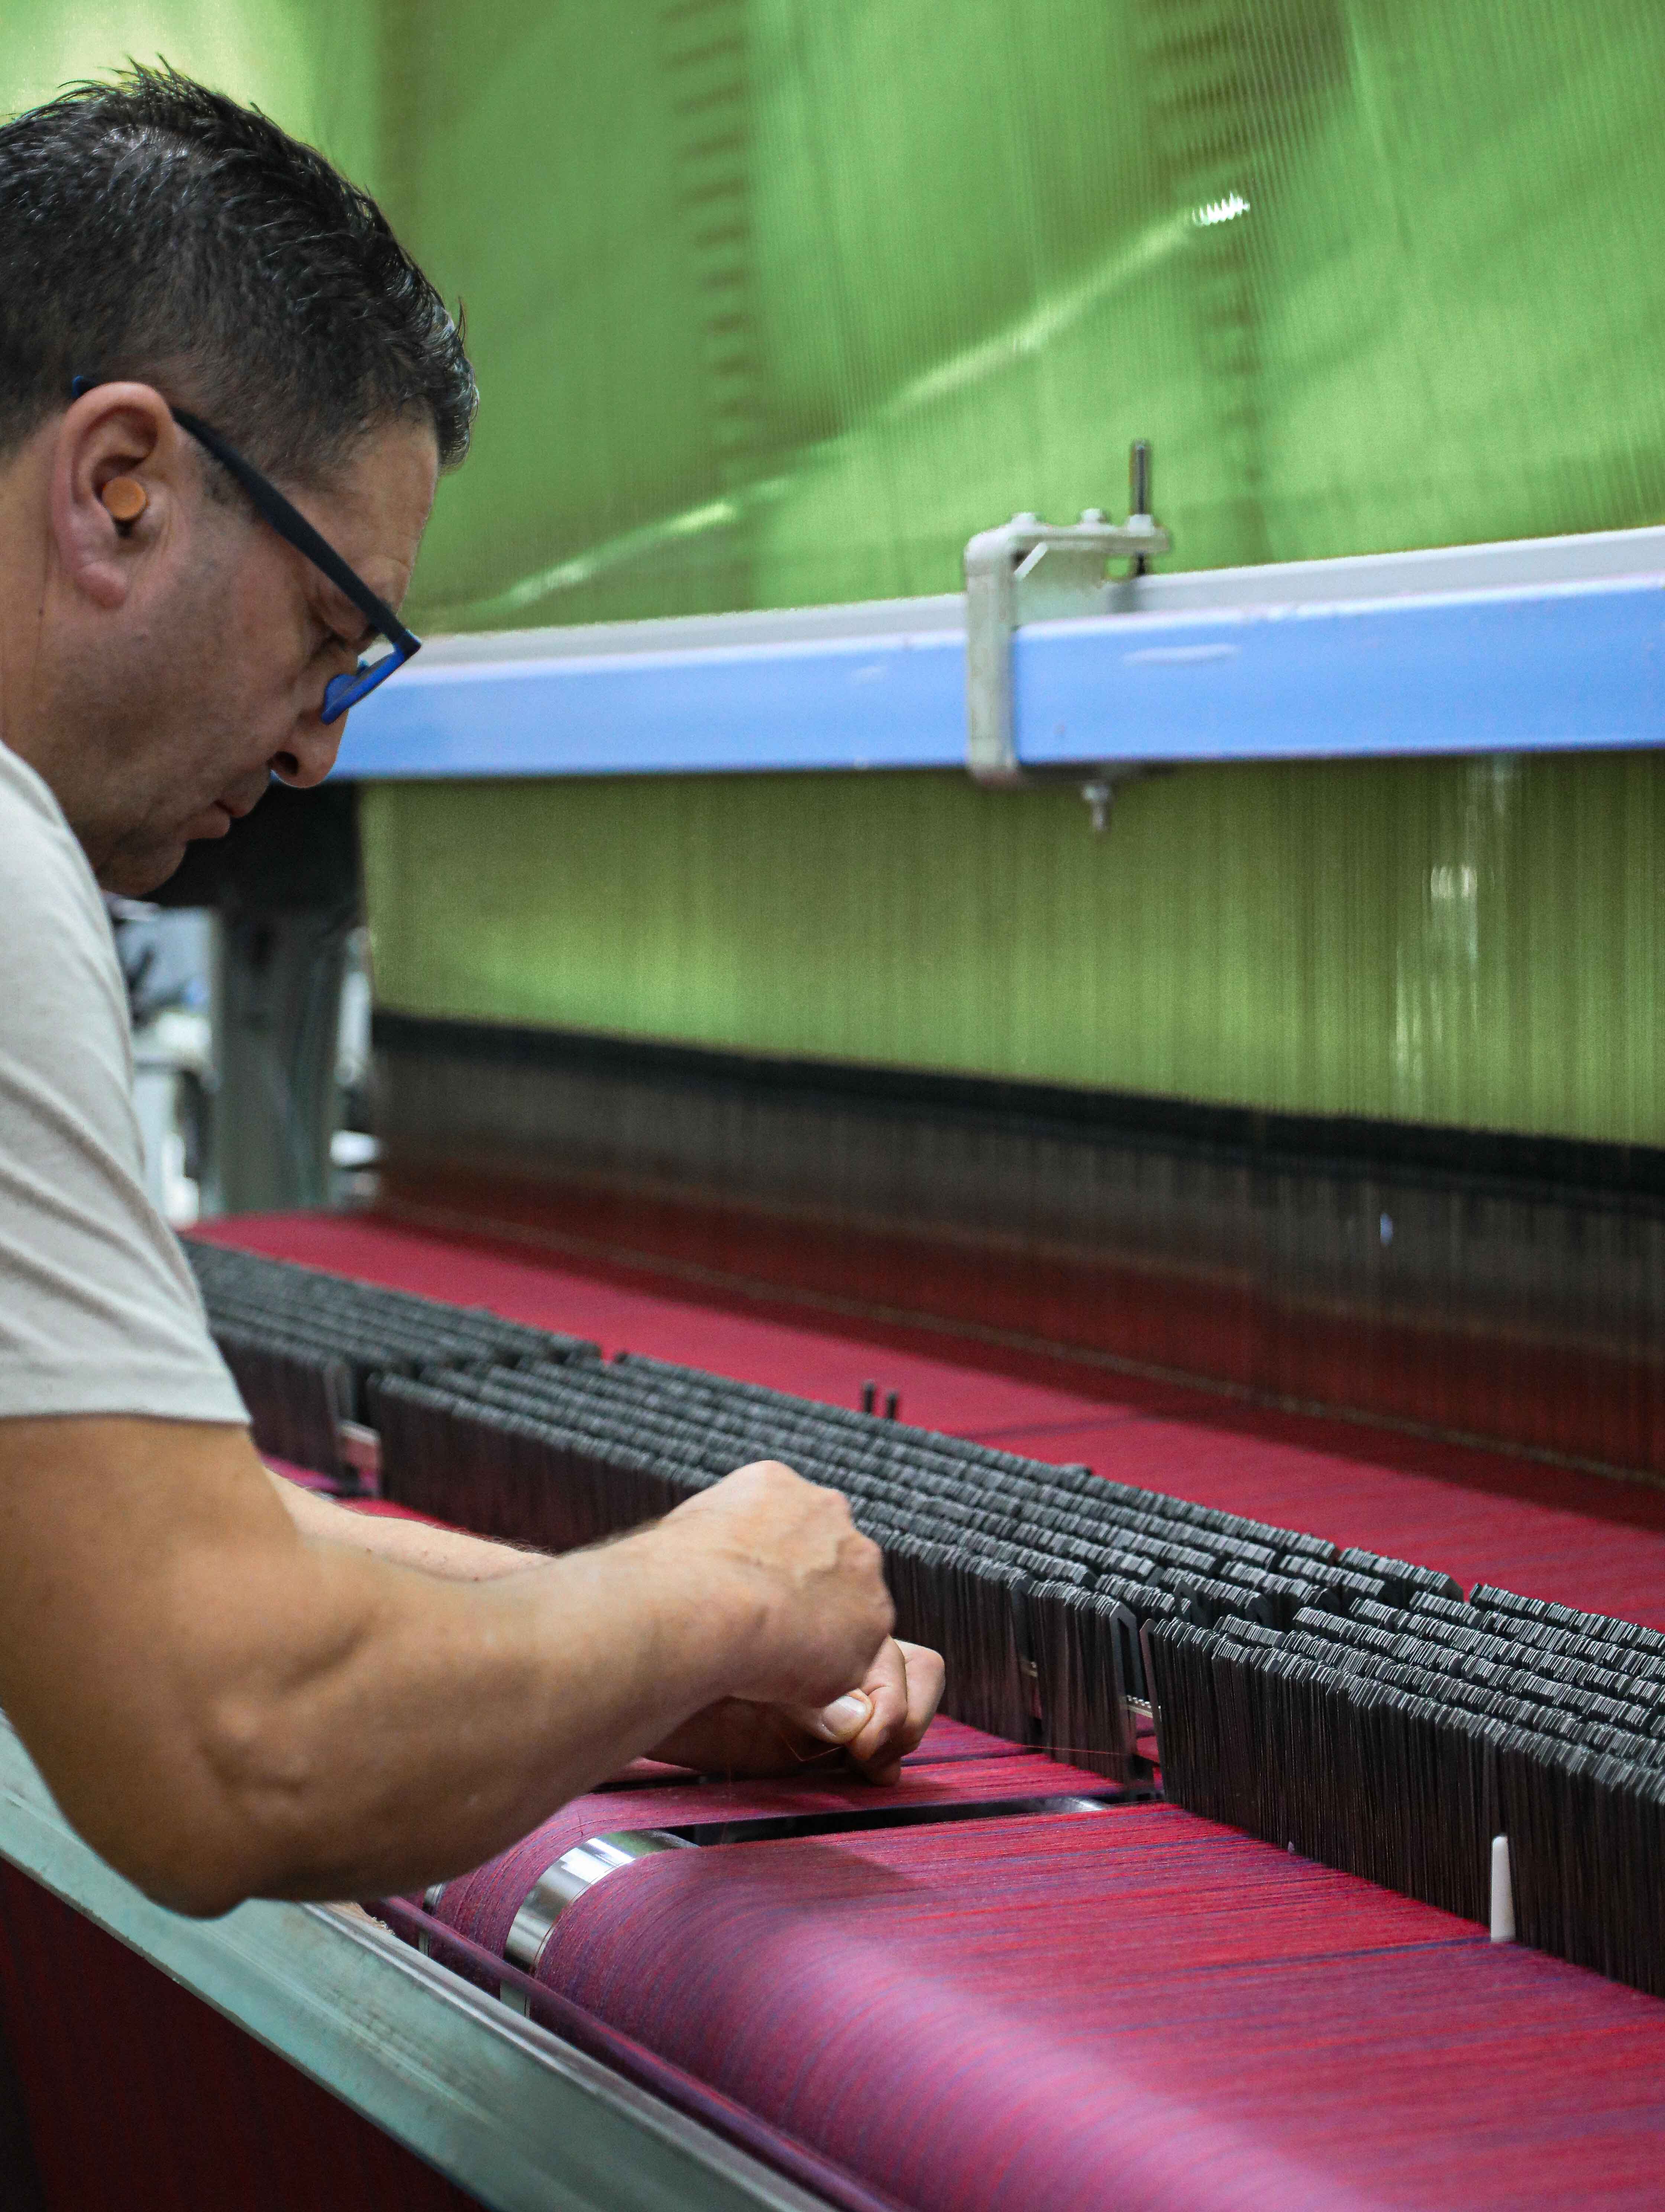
(955, 1765)
(1132, 2007)
(736, 2123)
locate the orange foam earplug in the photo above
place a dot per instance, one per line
(125, 497)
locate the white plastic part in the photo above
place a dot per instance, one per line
(1503, 1892)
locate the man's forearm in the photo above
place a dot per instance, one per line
(225, 1707)
(250, 1712)
(446, 1553)
(731, 1738)
(460, 1714)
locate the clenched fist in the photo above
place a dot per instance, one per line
(803, 1586)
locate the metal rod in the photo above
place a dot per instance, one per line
(1139, 492)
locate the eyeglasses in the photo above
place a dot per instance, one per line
(341, 692)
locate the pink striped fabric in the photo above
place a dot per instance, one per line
(1132, 2009)
(955, 1765)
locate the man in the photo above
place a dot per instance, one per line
(211, 349)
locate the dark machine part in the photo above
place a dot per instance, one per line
(286, 886)
(1139, 492)
(20, 2188)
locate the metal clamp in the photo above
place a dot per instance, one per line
(562, 1884)
(1028, 570)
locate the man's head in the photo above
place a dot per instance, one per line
(158, 666)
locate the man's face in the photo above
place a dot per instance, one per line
(216, 682)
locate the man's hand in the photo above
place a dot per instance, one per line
(785, 1553)
(872, 1726)
(229, 1698)
(229, 1706)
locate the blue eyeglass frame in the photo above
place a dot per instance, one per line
(341, 692)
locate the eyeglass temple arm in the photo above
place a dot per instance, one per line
(289, 523)
(292, 524)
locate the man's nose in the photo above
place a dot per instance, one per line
(310, 753)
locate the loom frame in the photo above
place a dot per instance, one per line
(511, 2113)
(1528, 644)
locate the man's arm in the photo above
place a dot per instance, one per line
(450, 1553)
(874, 1724)
(226, 1708)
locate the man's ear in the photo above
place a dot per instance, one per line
(120, 481)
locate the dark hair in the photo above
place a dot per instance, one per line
(154, 229)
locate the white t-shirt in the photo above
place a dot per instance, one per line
(99, 1313)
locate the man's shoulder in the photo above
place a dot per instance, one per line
(27, 799)
(41, 863)
(65, 1002)
(98, 1313)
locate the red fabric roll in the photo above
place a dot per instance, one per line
(955, 1765)
(1135, 2008)
(644, 2067)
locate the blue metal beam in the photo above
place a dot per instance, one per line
(1579, 666)
(882, 702)
(1546, 644)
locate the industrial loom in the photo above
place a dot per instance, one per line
(1037, 1972)
(1292, 1831)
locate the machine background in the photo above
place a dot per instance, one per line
(774, 303)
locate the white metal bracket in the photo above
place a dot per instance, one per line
(1028, 570)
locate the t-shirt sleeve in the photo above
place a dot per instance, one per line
(99, 1313)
